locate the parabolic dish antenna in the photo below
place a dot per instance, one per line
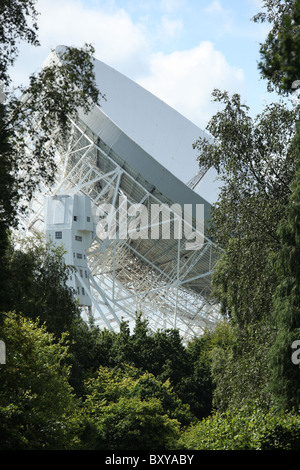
(124, 209)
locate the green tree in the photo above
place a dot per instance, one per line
(240, 369)
(36, 288)
(133, 411)
(255, 160)
(163, 354)
(86, 352)
(38, 409)
(280, 66)
(256, 163)
(279, 63)
(134, 424)
(18, 22)
(39, 118)
(198, 387)
(243, 428)
(285, 375)
(8, 198)
(37, 285)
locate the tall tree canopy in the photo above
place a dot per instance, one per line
(18, 22)
(38, 409)
(279, 63)
(34, 120)
(256, 164)
(36, 123)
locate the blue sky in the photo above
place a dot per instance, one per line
(180, 50)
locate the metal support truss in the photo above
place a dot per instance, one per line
(159, 279)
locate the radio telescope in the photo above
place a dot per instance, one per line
(124, 159)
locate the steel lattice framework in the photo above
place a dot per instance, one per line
(160, 279)
(128, 151)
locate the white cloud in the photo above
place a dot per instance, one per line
(170, 28)
(117, 40)
(186, 79)
(170, 5)
(215, 7)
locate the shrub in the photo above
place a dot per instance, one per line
(244, 429)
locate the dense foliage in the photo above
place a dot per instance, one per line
(68, 385)
(285, 374)
(279, 63)
(244, 429)
(18, 22)
(37, 406)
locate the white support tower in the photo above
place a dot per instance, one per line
(136, 150)
(68, 222)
